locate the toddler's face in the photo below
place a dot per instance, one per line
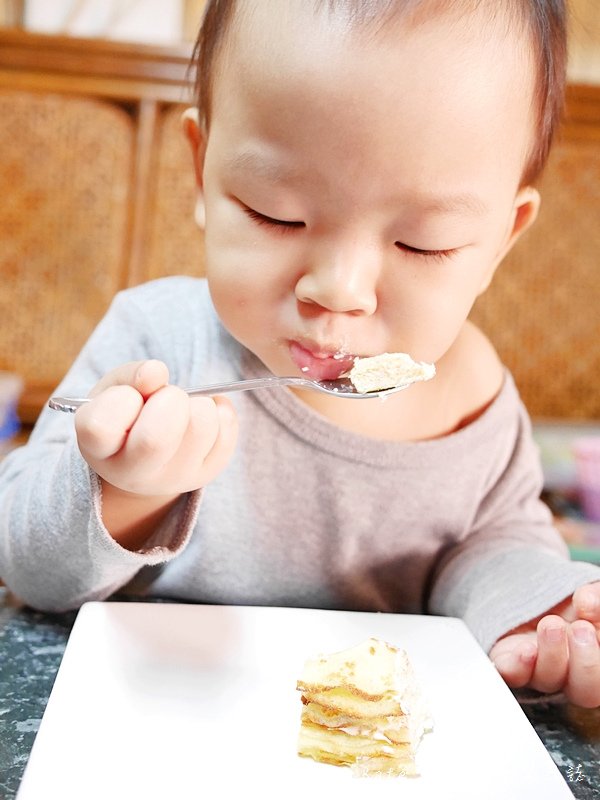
(359, 190)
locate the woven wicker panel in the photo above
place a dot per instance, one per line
(175, 241)
(65, 166)
(543, 309)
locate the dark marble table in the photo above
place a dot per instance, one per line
(32, 645)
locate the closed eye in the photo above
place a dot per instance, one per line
(439, 255)
(262, 219)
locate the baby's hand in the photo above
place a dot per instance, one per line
(143, 436)
(557, 652)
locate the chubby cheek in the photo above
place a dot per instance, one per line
(249, 275)
(426, 336)
(239, 288)
(234, 298)
(426, 309)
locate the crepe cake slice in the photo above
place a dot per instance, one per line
(388, 370)
(362, 708)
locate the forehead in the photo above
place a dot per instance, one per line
(258, 30)
(308, 67)
(286, 40)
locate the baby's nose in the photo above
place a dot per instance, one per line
(343, 280)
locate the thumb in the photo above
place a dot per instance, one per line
(145, 376)
(150, 376)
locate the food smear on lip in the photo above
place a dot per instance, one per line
(362, 708)
(388, 370)
(320, 365)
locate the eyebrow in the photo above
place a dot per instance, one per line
(453, 204)
(251, 161)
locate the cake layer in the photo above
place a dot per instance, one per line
(372, 670)
(345, 701)
(334, 746)
(396, 728)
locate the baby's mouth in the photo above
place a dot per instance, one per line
(320, 364)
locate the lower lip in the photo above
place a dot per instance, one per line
(319, 367)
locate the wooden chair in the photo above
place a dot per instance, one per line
(97, 193)
(542, 310)
(64, 203)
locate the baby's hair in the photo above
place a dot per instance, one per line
(544, 20)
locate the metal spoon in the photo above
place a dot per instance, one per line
(342, 387)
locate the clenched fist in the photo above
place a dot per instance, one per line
(150, 443)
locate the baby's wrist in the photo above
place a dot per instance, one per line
(131, 518)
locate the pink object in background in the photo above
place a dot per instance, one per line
(587, 463)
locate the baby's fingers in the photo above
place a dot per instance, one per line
(552, 665)
(583, 686)
(586, 602)
(224, 443)
(103, 424)
(514, 657)
(178, 443)
(159, 430)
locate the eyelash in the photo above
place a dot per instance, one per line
(284, 226)
(434, 255)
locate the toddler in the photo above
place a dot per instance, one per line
(362, 169)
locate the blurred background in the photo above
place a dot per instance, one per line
(145, 21)
(96, 194)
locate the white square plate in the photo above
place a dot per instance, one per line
(158, 700)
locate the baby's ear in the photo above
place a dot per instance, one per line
(525, 211)
(194, 132)
(524, 214)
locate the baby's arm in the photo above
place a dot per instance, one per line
(512, 565)
(150, 443)
(55, 551)
(559, 651)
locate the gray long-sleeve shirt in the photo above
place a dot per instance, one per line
(305, 514)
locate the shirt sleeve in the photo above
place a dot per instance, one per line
(513, 565)
(55, 552)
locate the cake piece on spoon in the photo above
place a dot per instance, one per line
(388, 370)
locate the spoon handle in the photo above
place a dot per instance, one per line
(71, 404)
